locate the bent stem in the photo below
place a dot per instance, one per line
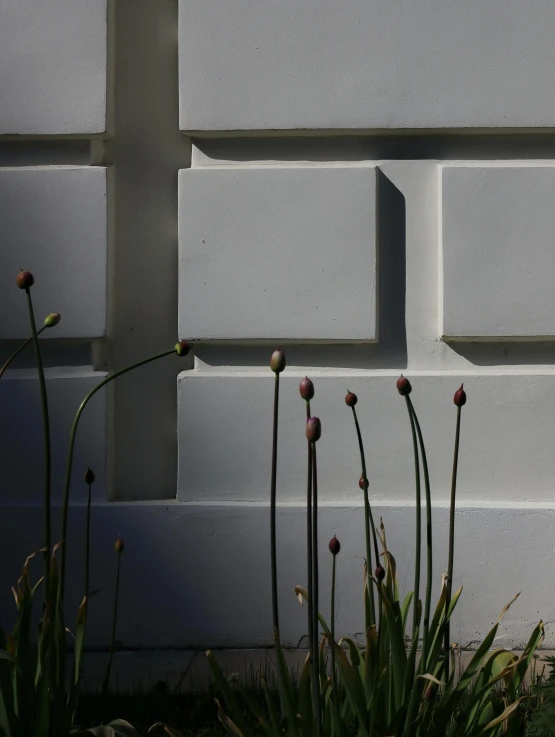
(113, 635)
(17, 351)
(46, 440)
(315, 607)
(69, 461)
(447, 637)
(273, 490)
(429, 551)
(368, 520)
(418, 544)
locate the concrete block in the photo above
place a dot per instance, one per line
(283, 253)
(53, 222)
(262, 65)
(497, 225)
(53, 56)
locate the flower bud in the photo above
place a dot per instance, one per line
(25, 280)
(278, 362)
(361, 483)
(460, 397)
(306, 389)
(334, 546)
(403, 386)
(119, 545)
(89, 477)
(351, 399)
(52, 320)
(182, 348)
(313, 429)
(379, 573)
(430, 693)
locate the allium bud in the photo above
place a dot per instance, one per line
(460, 397)
(52, 320)
(379, 573)
(351, 399)
(25, 280)
(89, 477)
(334, 546)
(313, 429)
(119, 545)
(306, 389)
(361, 483)
(403, 386)
(430, 693)
(182, 348)
(278, 362)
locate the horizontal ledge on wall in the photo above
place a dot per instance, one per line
(312, 132)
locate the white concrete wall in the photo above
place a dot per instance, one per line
(369, 187)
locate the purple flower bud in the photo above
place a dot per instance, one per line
(52, 320)
(89, 477)
(306, 389)
(119, 545)
(182, 348)
(460, 397)
(379, 573)
(278, 362)
(361, 483)
(313, 429)
(334, 546)
(351, 399)
(403, 386)
(25, 280)
(430, 693)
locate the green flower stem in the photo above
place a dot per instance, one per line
(69, 461)
(417, 553)
(273, 495)
(113, 635)
(16, 353)
(368, 520)
(447, 638)
(333, 672)
(46, 439)
(311, 643)
(429, 546)
(315, 606)
(88, 542)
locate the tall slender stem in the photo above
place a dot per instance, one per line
(312, 650)
(447, 637)
(318, 714)
(113, 635)
(429, 546)
(69, 460)
(273, 490)
(17, 351)
(418, 543)
(46, 440)
(88, 542)
(368, 520)
(333, 673)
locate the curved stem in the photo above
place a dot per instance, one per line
(368, 520)
(69, 460)
(16, 353)
(417, 554)
(318, 714)
(447, 637)
(429, 547)
(46, 439)
(273, 499)
(113, 635)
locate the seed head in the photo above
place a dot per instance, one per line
(361, 483)
(52, 320)
(334, 546)
(278, 362)
(182, 348)
(119, 545)
(306, 389)
(25, 280)
(89, 477)
(379, 573)
(460, 397)
(313, 429)
(351, 399)
(403, 386)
